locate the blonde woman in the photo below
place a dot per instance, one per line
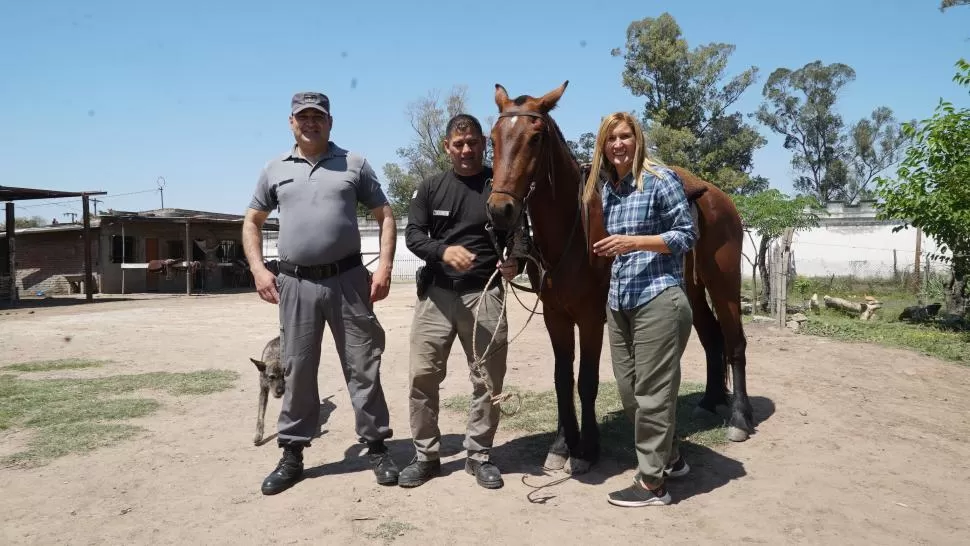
(649, 229)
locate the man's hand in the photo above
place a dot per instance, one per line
(266, 285)
(614, 245)
(380, 284)
(508, 269)
(458, 258)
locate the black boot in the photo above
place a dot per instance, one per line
(486, 473)
(288, 471)
(418, 472)
(383, 464)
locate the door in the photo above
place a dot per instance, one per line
(151, 253)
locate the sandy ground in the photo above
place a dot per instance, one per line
(856, 444)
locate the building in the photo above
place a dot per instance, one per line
(136, 252)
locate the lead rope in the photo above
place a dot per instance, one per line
(478, 365)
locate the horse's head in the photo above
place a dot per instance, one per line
(521, 139)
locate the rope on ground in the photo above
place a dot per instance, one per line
(479, 363)
(537, 488)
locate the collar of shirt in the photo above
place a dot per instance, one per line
(332, 151)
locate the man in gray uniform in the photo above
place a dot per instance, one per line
(322, 281)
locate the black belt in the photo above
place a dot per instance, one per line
(462, 285)
(320, 272)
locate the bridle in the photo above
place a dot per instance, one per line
(524, 201)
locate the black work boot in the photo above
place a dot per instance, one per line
(383, 464)
(486, 473)
(288, 471)
(419, 472)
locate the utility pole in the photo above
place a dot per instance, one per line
(161, 189)
(95, 203)
(917, 260)
(73, 215)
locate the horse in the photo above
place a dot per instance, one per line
(534, 173)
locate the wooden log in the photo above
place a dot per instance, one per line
(844, 305)
(865, 311)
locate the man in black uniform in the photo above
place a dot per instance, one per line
(447, 229)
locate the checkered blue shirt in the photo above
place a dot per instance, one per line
(660, 209)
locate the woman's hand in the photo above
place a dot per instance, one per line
(614, 245)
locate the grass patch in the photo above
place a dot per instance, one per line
(928, 340)
(389, 530)
(53, 365)
(80, 415)
(538, 415)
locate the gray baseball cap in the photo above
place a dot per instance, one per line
(309, 99)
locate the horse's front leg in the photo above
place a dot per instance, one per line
(590, 347)
(560, 330)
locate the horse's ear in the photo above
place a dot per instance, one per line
(501, 96)
(549, 100)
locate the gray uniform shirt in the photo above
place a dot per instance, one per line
(318, 203)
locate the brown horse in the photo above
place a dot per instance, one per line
(534, 170)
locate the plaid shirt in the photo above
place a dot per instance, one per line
(660, 209)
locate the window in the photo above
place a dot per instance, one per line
(176, 250)
(229, 251)
(122, 249)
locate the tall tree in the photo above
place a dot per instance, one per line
(688, 101)
(424, 156)
(932, 191)
(836, 162)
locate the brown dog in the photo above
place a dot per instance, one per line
(270, 378)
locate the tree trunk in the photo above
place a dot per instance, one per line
(765, 274)
(957, 293)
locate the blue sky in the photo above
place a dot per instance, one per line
(110, 95)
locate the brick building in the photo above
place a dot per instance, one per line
(136, 252)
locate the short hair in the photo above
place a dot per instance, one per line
(463, 123)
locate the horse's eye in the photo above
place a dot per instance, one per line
(534, 139)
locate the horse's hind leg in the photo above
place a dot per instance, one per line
(725, 290)
(741, 422)
(560, 329)
(709, 334)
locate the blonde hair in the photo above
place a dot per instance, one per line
(641, 160)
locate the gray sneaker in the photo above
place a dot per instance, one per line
(637, 495)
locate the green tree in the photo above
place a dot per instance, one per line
(932, 191)
(768, 214)
(688, 101)
(24, 222)
(583, 148)
(425, 156)
(946, 4)
(836, 162)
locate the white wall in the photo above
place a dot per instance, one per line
(850, 241)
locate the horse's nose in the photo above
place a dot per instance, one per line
(502, 214)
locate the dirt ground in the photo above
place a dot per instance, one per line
(856, 444)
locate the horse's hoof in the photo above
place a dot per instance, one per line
(554, 461)
(577, 466)
(736, 434)
(257, 439)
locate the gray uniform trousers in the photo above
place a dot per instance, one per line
(646, 344)
(439, 317)
(306, 307)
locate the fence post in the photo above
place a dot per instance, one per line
(784, 255)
